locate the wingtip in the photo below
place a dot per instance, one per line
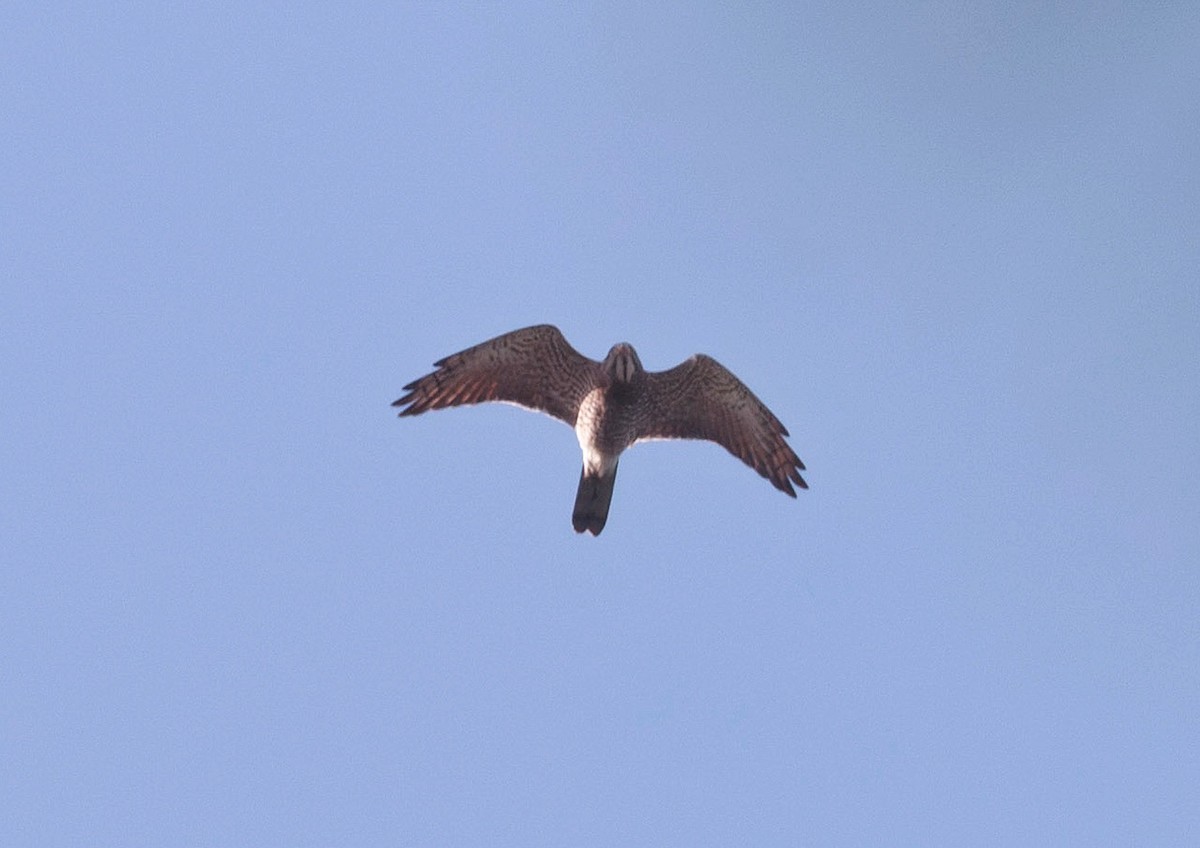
(786, 486)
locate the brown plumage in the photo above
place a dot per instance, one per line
(611, 405)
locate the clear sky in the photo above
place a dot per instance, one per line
(954, 246)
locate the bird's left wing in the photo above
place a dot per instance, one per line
(702, 399)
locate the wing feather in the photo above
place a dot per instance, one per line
(535, 368)
(702, 399)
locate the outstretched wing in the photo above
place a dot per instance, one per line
(702, 399)
(534, 368)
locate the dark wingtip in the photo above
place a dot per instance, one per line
(406, 401)
(785, 485)
(415, 408)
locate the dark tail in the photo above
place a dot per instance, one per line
(591, 503)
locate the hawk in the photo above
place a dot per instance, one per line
(611, 405)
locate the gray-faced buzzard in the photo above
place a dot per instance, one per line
(611, 405)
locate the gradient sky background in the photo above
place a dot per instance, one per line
(954, 246)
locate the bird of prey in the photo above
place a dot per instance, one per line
(611, 405)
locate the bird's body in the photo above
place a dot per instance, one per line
(611, 405)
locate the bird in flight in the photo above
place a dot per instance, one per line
(611, 405)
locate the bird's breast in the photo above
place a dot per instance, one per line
(601, 429)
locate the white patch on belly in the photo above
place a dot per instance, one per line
(590, 411)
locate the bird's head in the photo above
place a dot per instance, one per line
(622, 363)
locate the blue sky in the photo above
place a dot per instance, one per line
(953, 246)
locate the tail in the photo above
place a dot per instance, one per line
(591, 503)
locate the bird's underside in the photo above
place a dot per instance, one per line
(611, 405)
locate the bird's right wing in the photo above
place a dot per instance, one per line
(535, 368)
